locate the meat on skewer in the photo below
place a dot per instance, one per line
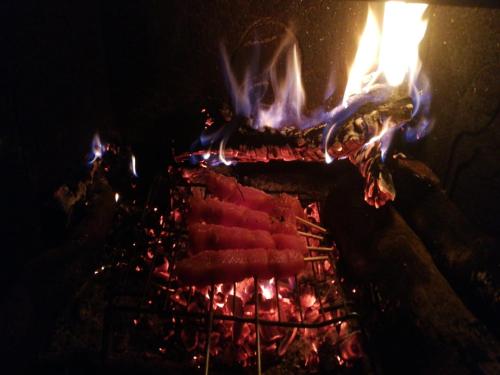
(217, 237)
(232, 265)
(214, 211)
(290, 241)
(284, 206)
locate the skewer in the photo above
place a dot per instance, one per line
(305, 234)
(210, 328)
(312, 225)
(320, 248)
(313, 259)
(257, 330)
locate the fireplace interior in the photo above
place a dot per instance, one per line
(117, 111)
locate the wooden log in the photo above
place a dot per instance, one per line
(350, 129)
(468, 258)
(422, 326)
(345, 132)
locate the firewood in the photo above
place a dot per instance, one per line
(468, 258)
(422, 325)
(350, 133)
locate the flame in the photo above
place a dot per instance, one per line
(365, 59)
(97, 148)
(385, 59)
(289, 96)
(267, 288)
(222, 157)
(288, 91)
(403, 29)
(392, 52)
(132, 166)
(384, 137)
(273, 95)
(117, 197)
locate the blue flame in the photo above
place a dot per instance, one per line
(341, 113)
(97, 149)
(247, 97)
(421, 99)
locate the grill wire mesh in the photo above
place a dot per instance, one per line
(160, 299)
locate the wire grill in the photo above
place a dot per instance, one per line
(167, 243)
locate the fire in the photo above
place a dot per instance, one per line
(392, 52)
(386, 66)
(289, 96)
(97, 148)
(386, 58)
(365, 59)
(403, 30)
(267, 288)
(132, 166)
(286, 89)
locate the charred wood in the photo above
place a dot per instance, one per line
(356, 137)
(247, 144)
(420, 325)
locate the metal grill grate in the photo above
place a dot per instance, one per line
(170, 235)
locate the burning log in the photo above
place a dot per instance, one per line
(356, 134)
(469, 259)
(379, 187)
(422, 315)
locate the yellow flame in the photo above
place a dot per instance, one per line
(403, 29)
(393, 52)
(366, 56)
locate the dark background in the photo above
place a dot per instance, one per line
(139, 72)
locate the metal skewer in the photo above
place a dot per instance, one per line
(256, 287)
(210, 327)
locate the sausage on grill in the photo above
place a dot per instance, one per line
(232, 265)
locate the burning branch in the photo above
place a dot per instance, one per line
(359, 137)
